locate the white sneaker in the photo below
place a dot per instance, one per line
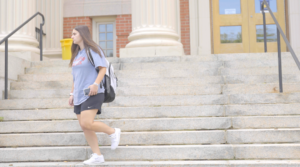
(95, 159)
(115, 138)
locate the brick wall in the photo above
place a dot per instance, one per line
(123, 29)
(185, 26)
(71, 22)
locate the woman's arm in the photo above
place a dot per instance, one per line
(102, 71)
(94, 88)
(72, 88)
(71, 98)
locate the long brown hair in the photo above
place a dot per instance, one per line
(87, 41)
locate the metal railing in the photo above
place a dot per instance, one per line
(279, 32)
(5, 39)
(37, 34)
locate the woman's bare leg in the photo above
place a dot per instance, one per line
(91, 138)
(86, 121)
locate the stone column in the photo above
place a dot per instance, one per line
(200, 27)
(153, 30)
(12, 14)
(294, 24)
(53, 28)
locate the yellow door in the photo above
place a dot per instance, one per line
(256, 26)
(237, 26)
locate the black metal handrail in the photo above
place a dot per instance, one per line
(37, 34)
(279, 32)
(5, 39)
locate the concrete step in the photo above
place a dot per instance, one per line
(128, 81)
(260, 122)
(116, 113)
(256, 79)
(207, 100)
(259, 71)
(274, 98)
(171, 65)
(49, 67)
(287, 62)
(128, 138)
(262, 136)
(56, 69)
(180, 152)
(158, 74)
(132, 66)
(171, 81)
(158, 101)
(26, 90)
(178, 72)
(62, 66)
(262, 110)
(212, 57)
(64, 62)
(125, 101)
(157, 124)
(188, 58)
(123, 82)
(259, 88)
(253, 56)
(54, 89)
(158, 112)
(203, 163)
(249, 136)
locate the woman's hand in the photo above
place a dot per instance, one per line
(71, 101)
(93, 90)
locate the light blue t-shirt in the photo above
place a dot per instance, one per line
(84, 74)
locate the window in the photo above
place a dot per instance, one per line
(104, 34)
(271, 33)
(106, 38)
(231, 34)
(229, 7)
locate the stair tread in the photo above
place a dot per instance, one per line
(202, 163)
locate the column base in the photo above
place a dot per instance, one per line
(151, 51)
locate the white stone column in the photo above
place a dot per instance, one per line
(153, 29)
(12, 14)
(200, 27)
(294, 24)
(53, 28)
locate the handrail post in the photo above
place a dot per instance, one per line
(279, 62)
(5, 39)
(265, 26)
(6, 69)
(41, 42)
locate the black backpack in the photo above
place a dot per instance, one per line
(110, 84)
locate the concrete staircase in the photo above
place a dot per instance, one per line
(214, 110)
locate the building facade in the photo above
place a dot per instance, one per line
(134, 28)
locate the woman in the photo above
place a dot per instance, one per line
(86, 76)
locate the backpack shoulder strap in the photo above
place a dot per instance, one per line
(89, 55)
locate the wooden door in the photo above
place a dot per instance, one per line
(237, 26)
(256, 26)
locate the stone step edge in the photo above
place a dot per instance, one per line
(166, 146)
(203, 163)
(163, 131)
(167, 86)
(164, 118)
(106, 106)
